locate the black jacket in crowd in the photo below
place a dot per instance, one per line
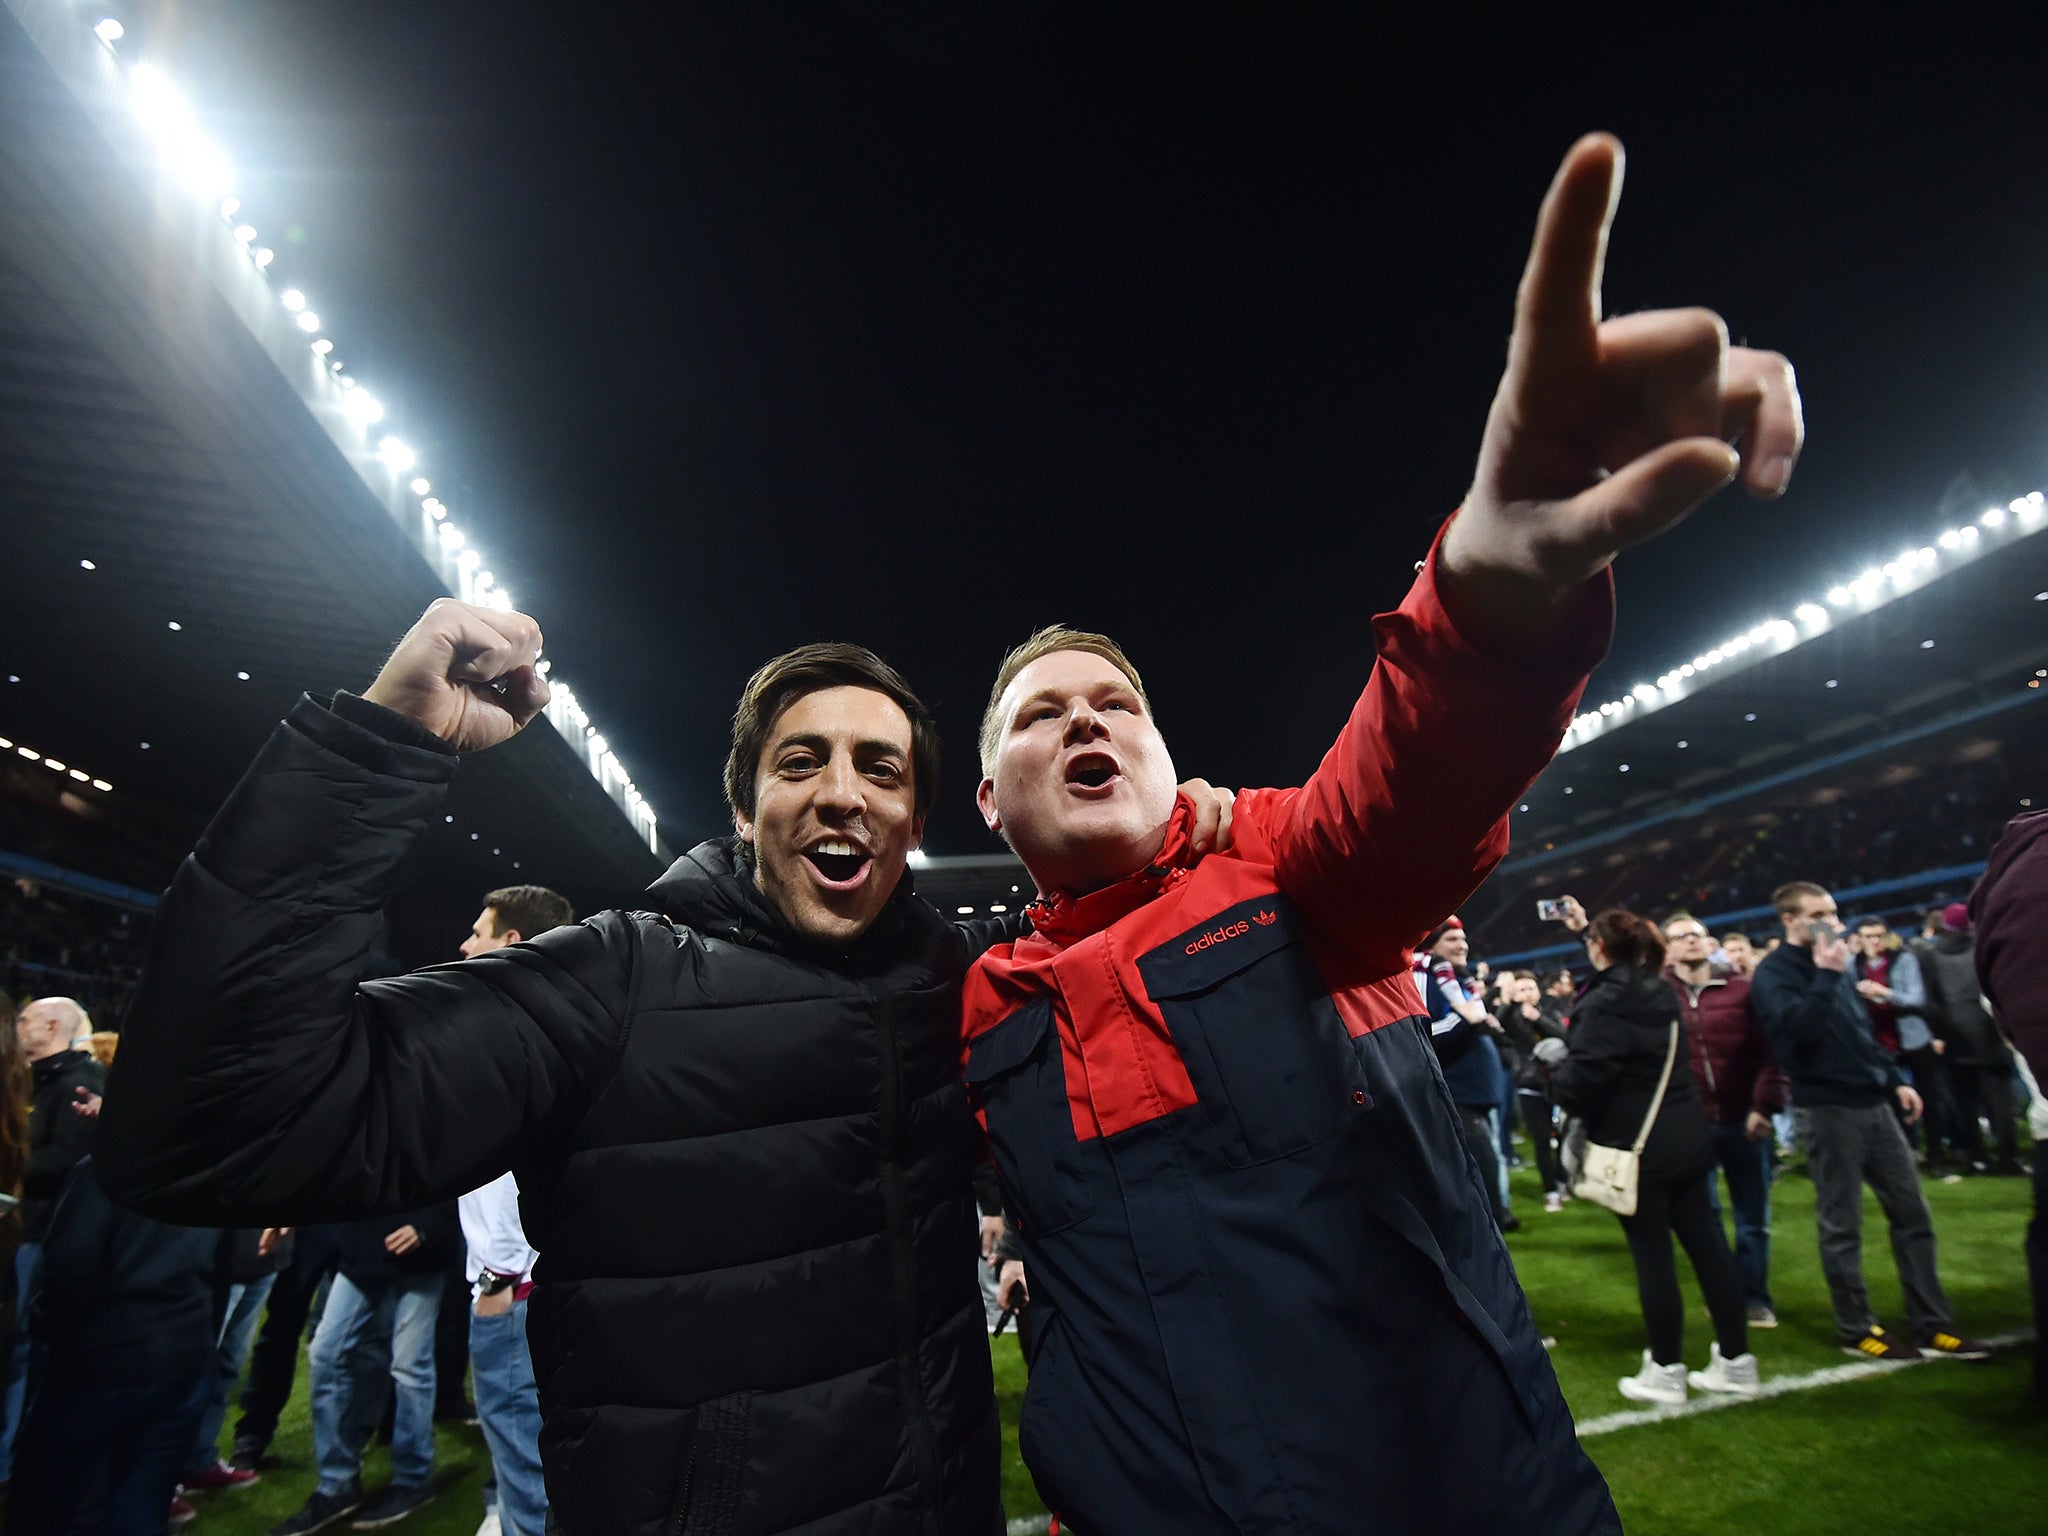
(1948, 963)
(1820, 1030)
(1620, 1032)
(744, 1160)
(58, 1135)
(367, 1262)
(124, 1301)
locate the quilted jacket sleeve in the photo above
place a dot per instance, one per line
(1408, 812)
(262, 1081)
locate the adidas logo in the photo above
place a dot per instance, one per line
(1265, 919)
(1222, 935)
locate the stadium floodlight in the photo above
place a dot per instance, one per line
(308, 321)
(433, 508)
(1811, 613)
(52, 764)
(419, 486)
(451, 536)
(81, 775)
(87, 565)
(102, 784)
(230, 206)
(1992, 517)
(292, 300)
(246, 233)
(1969, 533)
(264, 256)
(396, 455)
(241, 677)
(362, 406)
(108, 30)
(469, 559)
(322, 347)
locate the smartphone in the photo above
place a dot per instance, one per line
(1549, 911)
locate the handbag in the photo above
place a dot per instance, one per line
(1610, 1176)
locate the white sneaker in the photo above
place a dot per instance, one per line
(1739, 1375)
(1656, 1383)
(1554, 1201)
(490, 1527)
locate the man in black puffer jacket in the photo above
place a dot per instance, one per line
(736, 1120)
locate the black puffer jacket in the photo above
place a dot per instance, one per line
(1620, 1033)
(745, 1162)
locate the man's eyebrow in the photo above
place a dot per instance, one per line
(822, 745)
(1052, 695)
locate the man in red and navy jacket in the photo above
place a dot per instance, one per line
(1281, 1305)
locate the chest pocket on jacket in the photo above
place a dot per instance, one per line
(1255, 1025)
(1018, 1078)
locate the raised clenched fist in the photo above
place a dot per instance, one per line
(466, 674)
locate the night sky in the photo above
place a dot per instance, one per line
(921, 326)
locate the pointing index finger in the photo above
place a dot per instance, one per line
(1557, 309)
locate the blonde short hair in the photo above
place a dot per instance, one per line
(1054, 637)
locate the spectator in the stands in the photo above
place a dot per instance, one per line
(126, 1312)
(388, 1277)
(1978, 1060)
(1621, 1065)
(1843, 1089)
(1461, 1030)
(1741, 1089)
(2009, 910)
(58, 1137)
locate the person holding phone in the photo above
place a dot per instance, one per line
(1843, 1088)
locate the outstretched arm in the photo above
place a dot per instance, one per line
(1603, 433)
(261, 1079)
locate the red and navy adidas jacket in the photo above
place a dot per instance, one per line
(1281, 1304)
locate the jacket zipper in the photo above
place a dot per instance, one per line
(896, 1220)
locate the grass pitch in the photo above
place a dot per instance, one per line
(1926, 1451)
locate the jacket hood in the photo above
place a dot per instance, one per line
(712, 890)
(1638, 997)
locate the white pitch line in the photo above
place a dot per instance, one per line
(1774, 1386)
(1607, 1424)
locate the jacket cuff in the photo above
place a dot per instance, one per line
(373, 737)
(1588, 621)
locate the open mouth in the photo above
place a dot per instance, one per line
(840, 864)
(1092, 771)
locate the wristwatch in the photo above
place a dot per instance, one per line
(490, 1282)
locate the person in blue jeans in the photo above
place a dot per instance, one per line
(250, 1259)
(500, 1266)
(387, 1285)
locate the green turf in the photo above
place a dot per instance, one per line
(1946, 1447)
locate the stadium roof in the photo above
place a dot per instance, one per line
(191, 539)
(1947, 662)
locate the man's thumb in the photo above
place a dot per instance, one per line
(1657, 491)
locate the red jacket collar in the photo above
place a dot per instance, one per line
(1063, 918)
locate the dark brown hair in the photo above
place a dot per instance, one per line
(1628, 939)
(812, 669)
(530, 910)
(1054, 637)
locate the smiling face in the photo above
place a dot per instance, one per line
(835, 813)
(1080, 781)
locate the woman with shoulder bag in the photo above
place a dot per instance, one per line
(1624, 1068)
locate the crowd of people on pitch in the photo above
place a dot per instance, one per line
(126, 1338)
(1871, 1054)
